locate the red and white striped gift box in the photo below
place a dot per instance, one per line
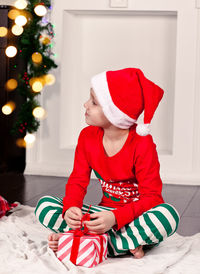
(90, 250)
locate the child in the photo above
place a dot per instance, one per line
(124, 159)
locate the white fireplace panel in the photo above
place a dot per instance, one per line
(94, 41)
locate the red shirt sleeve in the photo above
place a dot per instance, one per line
(77, 183)
(147, 167)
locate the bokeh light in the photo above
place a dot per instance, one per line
(3, 31)
(29, 139)
(13, 13)
(8, 108)
(21, 4)
(40, 10)
(39, 113)
(37, 86)
(20, 20)
(49, 79)
(11, 51)
(37, 57)
(11, 84)
(20, 142)
(17, 30)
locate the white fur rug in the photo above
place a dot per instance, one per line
(23, 250)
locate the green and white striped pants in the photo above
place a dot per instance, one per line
(149, 229)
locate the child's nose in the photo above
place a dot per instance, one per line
(85, 104)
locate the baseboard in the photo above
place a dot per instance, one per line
(64, 170)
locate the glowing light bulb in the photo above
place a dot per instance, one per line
(20, 4)
(8, 108)
(29, 139)
(40, 10)
(37, 86)
(11, 84)
(20, 20)
(12, 14)
(20, 142)
(11, 51)
(17, 30)
(50, 79)
(37, 57)
(39, 113)
(3, 31)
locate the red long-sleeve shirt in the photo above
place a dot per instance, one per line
(130, 179)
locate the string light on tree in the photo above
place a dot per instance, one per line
(13, 13)
(3, 31)
(11, 84)
(17, 30)
(21, 4)
(11, 51)
(37, 57)
(29, 139)
(20, 142)
(20, 20)
(39, 113)
(34, 45)
(40, 10)
(8, 108)
(49, 79)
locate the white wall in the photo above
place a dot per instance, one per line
(159, 36)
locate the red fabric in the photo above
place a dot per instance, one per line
(137, 163)
(5, 206)
(130, 85)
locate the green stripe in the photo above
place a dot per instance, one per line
(53, 220)
(163, 220)
(62, 226)
(152, 227)
(97, 175)
(142, 231)
(114, 242)
(173, 213)
(130, 234)
(124, 240)
(47, 199)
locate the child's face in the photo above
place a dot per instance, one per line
(94, 115)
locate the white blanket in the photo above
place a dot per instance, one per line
(23, 250)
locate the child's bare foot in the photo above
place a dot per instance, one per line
(138, 252)
(53, 241)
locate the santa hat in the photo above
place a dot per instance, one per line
(124, 94)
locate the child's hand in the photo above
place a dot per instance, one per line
(104, 220)
(73, 216)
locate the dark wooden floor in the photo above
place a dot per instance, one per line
(27, 189)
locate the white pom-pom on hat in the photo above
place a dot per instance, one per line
(143, 129)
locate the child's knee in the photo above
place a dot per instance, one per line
(171, 216)
(41, 204)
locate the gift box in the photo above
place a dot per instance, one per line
(82, 248)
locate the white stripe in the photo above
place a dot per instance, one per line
(65, 248)
(127, 237)
(44, 205)
(89, 262)
(136, 233)
(84, 255)
(118, 241)
(147, 229)
(48, 217)
(168, 215)
(158, 225)
(113, 249)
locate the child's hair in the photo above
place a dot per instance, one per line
(124, 94)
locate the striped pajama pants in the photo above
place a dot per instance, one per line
(149, 229)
